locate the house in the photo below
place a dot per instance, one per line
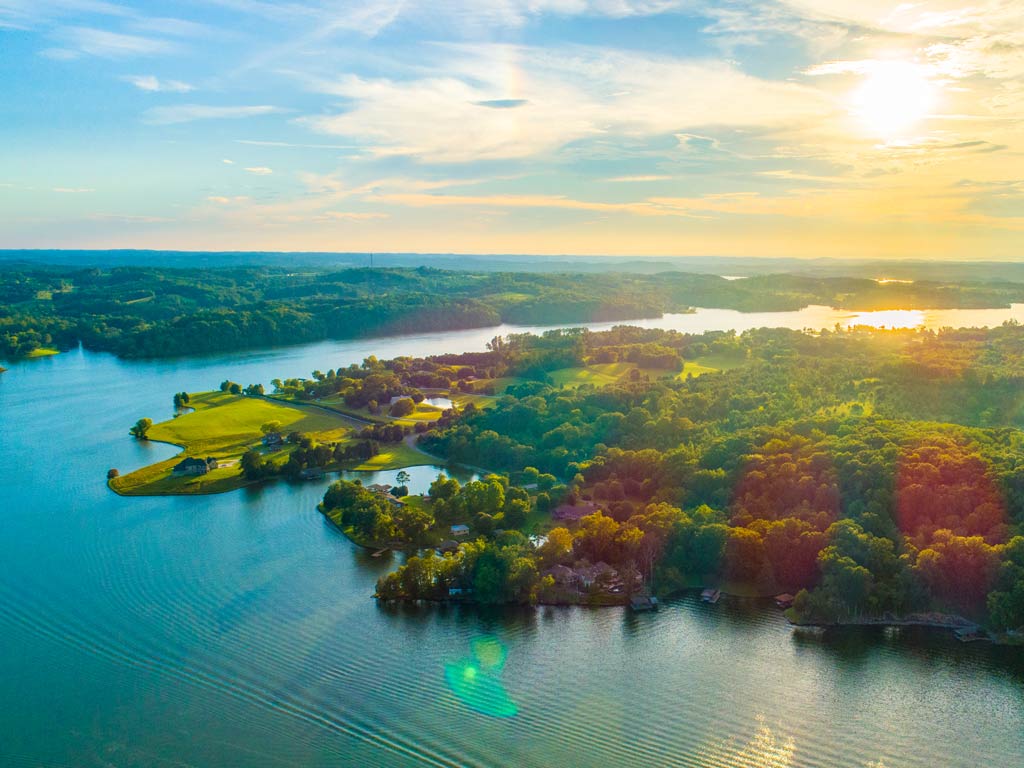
(563, 575)
(572, 512)
(711, 595)
(191, 466)
(448, 545)
(784, 600)
(273, 440)
(311, 473)
(379, 488)
(601, 572)
(643, 603)
(460, 530)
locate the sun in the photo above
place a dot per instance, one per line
(893, 99)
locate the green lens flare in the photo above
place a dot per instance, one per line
(477, 681)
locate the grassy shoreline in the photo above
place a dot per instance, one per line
(225, 426)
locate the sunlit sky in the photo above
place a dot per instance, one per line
(793, 128)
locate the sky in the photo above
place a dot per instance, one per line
(805, 128)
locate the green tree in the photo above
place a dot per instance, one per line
(140, 430)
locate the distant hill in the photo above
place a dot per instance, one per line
(945, 271)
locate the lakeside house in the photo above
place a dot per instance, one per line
(460, 530)
(643, 603)
(711, 595)
(386, 492)
(272, 440)
(190, 467)
(784, 600)
(588, 575)
(573, 512)
(563, 575)
(311, 473)
(448, 546)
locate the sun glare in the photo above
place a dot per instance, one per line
(894, 98)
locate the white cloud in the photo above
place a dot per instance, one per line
(563, 97)
(73, 190)
(228, 162)
(637, 179)
(260, 170)
(186, 113)
(221, 200)
(114, 45)
(153, 84)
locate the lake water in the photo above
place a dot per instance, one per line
(238, 630)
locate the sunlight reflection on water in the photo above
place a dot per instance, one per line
(892, 318)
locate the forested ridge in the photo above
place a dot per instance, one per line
(162, 312)
(871, 473)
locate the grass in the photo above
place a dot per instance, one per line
(423, 412)
(691, 368)
(722, 361)
(463, 399)
(599, 374)
(395, 456)
(43, 352)
(223, 426)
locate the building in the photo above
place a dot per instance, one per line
(191, 466)
(311, 473)
(273, 440)
(379, 488)
(588, 575)
(572, 512)
(563, 575)
(460, 530)
(448, 545)
(784, 600)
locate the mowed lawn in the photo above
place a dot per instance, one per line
(223, 426)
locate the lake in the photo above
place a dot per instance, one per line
(238, 630)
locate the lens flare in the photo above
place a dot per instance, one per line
(476, 681)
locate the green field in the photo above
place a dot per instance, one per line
(599, 374)
(43, 352)
(423, 412)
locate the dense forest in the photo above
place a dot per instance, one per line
(870, 473)
(165, 312)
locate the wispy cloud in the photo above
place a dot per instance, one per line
(73, 190)
(154, 84)
(260, 170)
(638, 179)
(114, 45)
(222, 200)
(186, 113)
(563, 97)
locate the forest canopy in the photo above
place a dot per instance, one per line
(870, 473)
(165, 312)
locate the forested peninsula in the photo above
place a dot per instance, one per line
(875, 475)
(166, 312)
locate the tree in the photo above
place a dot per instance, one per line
(270, 427)
(402, 407)
(253, 465)
(403, 477)
(411, 523)
(556, 548)
(141, 429)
